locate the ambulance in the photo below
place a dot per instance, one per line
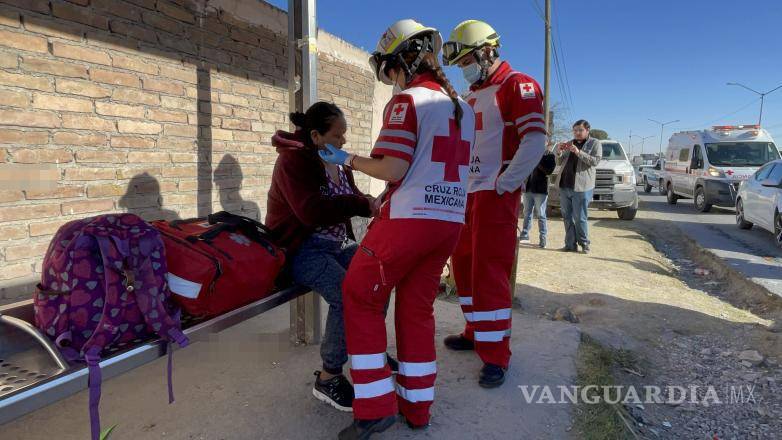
(708, 165)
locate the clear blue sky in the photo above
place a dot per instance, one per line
(626, 61)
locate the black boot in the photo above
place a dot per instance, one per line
(458, 343)
(415, 427)
(491, 376)
(363, 429)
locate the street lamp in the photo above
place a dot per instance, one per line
(762, 97)
(662, 127)
(643, 139)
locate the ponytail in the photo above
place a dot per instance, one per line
(319, 117)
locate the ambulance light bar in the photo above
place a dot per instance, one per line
(735, 127)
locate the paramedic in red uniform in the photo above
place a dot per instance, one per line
(423, 152)
(510, 137)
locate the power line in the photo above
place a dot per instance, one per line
(706, 124)
(564, 64)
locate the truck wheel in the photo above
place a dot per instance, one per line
(740, 222)
(647, 186)
(672, 197)
(661, 188)
(700, 200)
(627, 213)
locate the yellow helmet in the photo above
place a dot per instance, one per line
(466, 37)
(404, 36)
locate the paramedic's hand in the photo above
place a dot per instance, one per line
(334, 155)
(504, 184)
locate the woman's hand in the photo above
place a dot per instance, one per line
(334, 155)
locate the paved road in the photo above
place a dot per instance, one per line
(751, 252)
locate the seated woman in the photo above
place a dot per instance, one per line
(309, 208)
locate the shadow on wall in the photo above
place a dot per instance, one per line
(144, 199)
(228, 178)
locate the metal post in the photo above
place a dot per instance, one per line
(302, 93)
(760, 119)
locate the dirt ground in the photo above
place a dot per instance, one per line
(638, 291)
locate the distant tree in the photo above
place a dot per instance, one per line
(560, 128)
(598, 134)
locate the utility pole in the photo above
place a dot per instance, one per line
(630, 144)
(547, 69)
(662, 127)
(762, 97)
(642, 138)
(302, 93)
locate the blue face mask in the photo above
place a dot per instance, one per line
(472, 73)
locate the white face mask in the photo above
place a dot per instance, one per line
(397, 89)
(472, 73)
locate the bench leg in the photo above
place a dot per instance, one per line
(306, 319)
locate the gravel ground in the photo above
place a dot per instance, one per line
(641, 291)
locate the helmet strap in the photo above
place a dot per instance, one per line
(485, 62)
(413, 67)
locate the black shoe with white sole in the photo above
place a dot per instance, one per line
(337, 392)
(363, 429)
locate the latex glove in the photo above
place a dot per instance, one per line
(334, 155)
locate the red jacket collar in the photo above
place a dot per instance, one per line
(427, 80)
(497, 77)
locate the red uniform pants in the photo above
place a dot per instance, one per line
(482, 266)
(408, 254)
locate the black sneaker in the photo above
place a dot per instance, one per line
(363, 429)
(585, 248)
(393, 363)
(491, 376)
(568, 249)
(458, 343)
(337, 392)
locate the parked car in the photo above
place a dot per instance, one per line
(708, 165)
(614, 183)
(652, 177)
(759, 201)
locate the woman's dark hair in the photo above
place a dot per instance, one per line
(430, 64)
(582, 123)
(320, 117)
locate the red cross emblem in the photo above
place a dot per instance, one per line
(729, 172)
(478, 115)
(451, 150)
(526, 87)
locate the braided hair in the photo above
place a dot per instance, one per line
(430, 64)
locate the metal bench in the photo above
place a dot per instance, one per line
(34, 374)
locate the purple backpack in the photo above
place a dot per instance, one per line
(103, 286)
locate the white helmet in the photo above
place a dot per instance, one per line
(404, 36)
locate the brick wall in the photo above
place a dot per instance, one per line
(164, 108)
